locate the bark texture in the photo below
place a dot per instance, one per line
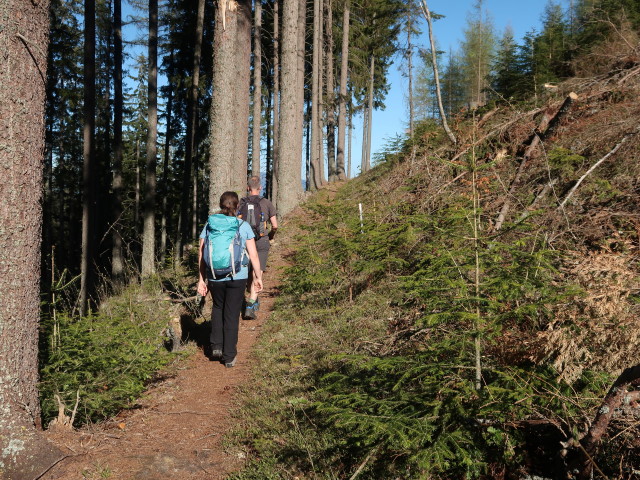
(242, 95)
(230, 103)
(342, 100)
(117, 260)
(192, 108)
(149, 233)
(290, 141)
(89, 156)
(330, 104)
(257, 89)
(273, 180)
(23, 59)
(316, 130)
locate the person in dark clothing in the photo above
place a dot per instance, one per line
(228, 292)
(264, 236)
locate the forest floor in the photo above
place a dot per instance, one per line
(176, 430)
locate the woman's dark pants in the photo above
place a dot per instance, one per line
(225, 316)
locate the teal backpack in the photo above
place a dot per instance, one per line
(224, 251)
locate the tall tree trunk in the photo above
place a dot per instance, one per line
(365, 133)
(194, 198)
(316, 132)
(434, 62)
(117, 260)
(89, 156)
(290, 141)
(243, 94)
(276, 101)
(192, 117)
(148, 241)
(307, 148)
(136, 213)
(350, 126)
(23, 41)
(230, 103)
(330, 93)
(165, 169)
(410, 73)
(268, 112)
(372, 72)
(257, 89)
(342, 100)
(320, 144)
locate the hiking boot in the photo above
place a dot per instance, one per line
(215, 354)
(232, 363)
(250, 311)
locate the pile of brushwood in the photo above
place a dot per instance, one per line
(480, 320)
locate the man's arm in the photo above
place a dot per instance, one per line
(274, 227)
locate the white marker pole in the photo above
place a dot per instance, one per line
(361, 226)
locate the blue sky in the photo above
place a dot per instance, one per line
(522, 15)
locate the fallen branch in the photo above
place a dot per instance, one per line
(487, 116)
(543, 193)
(581, 457)
(364, 463)
(545, 129)
(595, 165)
(493, 132)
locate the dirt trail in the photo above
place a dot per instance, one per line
(176, 429)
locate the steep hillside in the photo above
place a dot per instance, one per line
(471, 322)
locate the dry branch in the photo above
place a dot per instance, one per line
(495, 131)
(581, 459)
(595, 165)
(545, 129)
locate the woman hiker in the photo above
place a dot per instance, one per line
(227, 292)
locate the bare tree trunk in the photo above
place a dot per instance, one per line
(269, 143)
(24, 454)
(370, 113)
(165, 172)
(223, 129)
(410, 73)
(192, 122)
(350, 143)
(342, 100)
(365, 133)
(148, 241)
(89, 155)
(290, 141)
(276, 100)
(330, 93)
(314, 175)
(136, 213)
(443, 116)
(242, 95)
(194, 199)
(257, 89)
(117, 260)
(320, 144)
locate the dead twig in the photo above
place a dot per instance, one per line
(595, 165)
(546, 127)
